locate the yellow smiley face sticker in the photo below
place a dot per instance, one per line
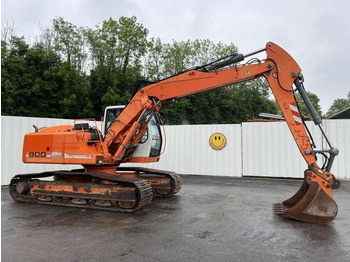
(217, 141)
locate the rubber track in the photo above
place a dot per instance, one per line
(144, 190)
(176, 181)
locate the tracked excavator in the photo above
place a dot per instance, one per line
(133, 134)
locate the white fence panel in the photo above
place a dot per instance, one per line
(270, 150)
(188, 151)
(339, 133)
(253, 149)
(13, 130)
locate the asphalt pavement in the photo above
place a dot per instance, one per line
(211, 219)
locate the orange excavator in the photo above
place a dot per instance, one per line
(133, 134)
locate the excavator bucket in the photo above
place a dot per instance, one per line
(310, 204)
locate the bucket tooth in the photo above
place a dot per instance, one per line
(278, 209)
(310, 204)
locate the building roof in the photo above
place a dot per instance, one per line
(345, 114)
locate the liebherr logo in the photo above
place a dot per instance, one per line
(295, 113)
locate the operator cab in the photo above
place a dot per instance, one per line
(150, 144)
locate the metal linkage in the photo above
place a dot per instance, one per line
(332, 151)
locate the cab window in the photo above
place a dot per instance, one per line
(111, 115)
(156, 145)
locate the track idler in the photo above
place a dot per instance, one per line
(313, 202)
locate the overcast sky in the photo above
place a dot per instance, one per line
(315, 32)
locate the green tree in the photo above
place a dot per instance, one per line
(152, 60)
(338, 105)
(177, 57)
(168, 59)
(225, 105)
(50, 77)
(35, 82)
(15, 94)
(27, 80)
(74, 94)
(70, 42)
(66, 40)
(116, 50)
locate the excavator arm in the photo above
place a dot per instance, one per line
(314, 201)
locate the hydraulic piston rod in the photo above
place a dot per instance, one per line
(318, 121)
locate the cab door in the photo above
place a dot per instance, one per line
(150, 144)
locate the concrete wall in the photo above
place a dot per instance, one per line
(253, 149)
